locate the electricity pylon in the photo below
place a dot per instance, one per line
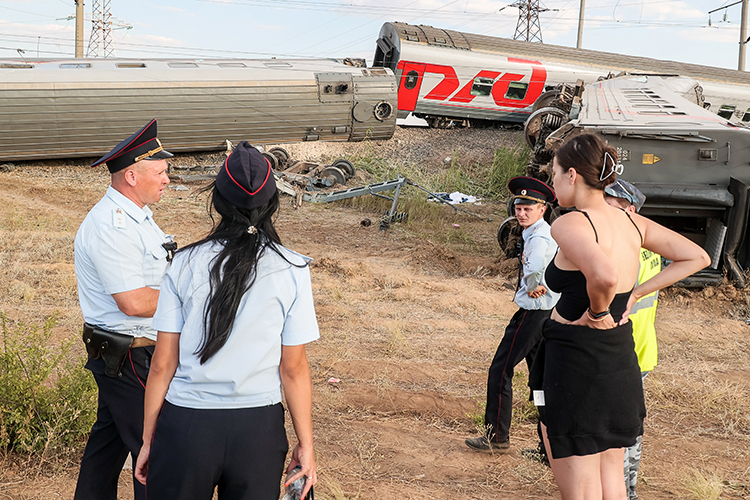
(102, 24)
(528, 28)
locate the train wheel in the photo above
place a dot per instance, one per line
(334, 173)
(346, 166)
(508, 234)
(281, 154)
(541, 123)
(546, 99)
(271, 159)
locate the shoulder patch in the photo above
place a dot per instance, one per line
(118, 218)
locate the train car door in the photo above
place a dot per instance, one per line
(409, 84)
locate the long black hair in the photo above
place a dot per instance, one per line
(233, 270)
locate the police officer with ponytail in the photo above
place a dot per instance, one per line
(234, 314)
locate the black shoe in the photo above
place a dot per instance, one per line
(538, 454)
(486, 446)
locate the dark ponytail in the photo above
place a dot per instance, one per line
(233, 270)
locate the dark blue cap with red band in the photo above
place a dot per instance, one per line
(246, 179)
(143, 145)
(528, 190)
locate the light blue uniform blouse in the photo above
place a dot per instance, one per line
(277, 310)
(539, 249)
(117, 249)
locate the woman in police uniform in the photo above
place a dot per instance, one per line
(234, 315)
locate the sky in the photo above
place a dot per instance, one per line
(663, 29)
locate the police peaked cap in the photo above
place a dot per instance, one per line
(528, 191)
(143, 145)
(246, 179)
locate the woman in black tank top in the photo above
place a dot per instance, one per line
(586, 379)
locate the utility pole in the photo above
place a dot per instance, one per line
(743, 36)
(743, 29)
(79, 28)
(528, 28)
(580, 24)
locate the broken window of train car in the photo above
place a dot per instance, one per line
(482, 86)
(727, 110)
(516, 90)
(411, 80)
(75, 65)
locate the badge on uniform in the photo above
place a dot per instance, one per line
(118, 218)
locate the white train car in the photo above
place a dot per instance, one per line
(447, 75)
(82, 107)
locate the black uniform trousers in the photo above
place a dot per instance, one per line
(521, 340)
(118, 429)
(240, 450)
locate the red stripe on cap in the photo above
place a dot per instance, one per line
(240, 185)
(135, 139)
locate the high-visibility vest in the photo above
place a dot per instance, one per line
(643, 313)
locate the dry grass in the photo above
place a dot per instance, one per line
(703, 486)
(410, 319)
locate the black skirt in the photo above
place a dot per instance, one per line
(593, 392)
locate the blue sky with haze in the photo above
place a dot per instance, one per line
(663, 29)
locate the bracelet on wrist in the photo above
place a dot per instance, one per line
(597, 316)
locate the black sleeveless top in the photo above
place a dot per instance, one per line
(574, 299)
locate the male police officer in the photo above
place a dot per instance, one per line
(120, 257)
(535, 302)
(624, 195)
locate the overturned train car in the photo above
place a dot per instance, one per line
(693, 166)
(452, 77)
(80, 107)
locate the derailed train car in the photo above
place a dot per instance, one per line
(451, 77)
(81, 107)
(692, 165)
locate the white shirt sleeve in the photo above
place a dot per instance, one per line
(169, 316)
(117, 256)
(301, 324)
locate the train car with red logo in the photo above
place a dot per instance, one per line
(451, 78)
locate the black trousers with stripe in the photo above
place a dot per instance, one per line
(242, 451)
(521, 340)
(118, 428)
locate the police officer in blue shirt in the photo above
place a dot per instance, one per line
(120, 257)
(535, 302)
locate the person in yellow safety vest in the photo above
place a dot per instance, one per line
(624, 195)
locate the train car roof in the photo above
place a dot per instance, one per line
(645, 102)
(41, 71)
(450, 39)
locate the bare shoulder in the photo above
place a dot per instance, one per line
(568, 221)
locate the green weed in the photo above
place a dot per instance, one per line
(47, 399)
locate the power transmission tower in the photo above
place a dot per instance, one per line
(528, 27)
(100, 41)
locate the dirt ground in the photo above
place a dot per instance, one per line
(409, 321)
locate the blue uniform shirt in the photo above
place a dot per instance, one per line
(118, 248)
(277, 310)
(539, 249)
